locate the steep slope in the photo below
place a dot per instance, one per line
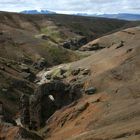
(91, 27)
(28, 43)
(113, 112)
(23, 37)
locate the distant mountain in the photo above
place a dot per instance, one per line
(124, 16)
(37, 12)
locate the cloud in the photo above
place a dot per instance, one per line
(73, 6)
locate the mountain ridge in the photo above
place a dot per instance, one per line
(37, 12)
(122, 16)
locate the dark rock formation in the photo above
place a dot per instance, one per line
(129, 50)
(90, 90)
(40, 64)
(4, 117)
(1, 112)
(86, 71)
(75, 72)
(25, 68)
(24, 113)
(76, 90)
(75, 43)
(42, 106)
(45, 37)
(28, 76)
(47, 98)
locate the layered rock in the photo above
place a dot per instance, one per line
(47, 99)
(1, 112)
(24, 113)
(10, 132)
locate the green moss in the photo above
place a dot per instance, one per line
(53, 32)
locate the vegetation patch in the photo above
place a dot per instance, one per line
(53, 32)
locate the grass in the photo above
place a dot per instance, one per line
(53, 32)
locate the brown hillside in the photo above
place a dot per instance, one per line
(113, 112)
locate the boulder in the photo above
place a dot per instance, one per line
(58, 77)
(5, 90)
(75, 43)
(86, 71)
(28, 76)
(40, 64)
(25, 68)
(129, 50)
(90, 90)
(66, 45)
(58, 74)
(45, 37)
(82, 107)
(120, 44)
(48, 76)
(82, 41)
(75, 90)
(75, 72)
(2, 68)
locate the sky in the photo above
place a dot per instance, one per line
(73, 6)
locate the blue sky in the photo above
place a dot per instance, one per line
(73, 6)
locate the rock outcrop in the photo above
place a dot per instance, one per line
(92, 47)
(10, 132)
(48, 98)
(1, 112)
(40, 64)
(75, 44)
(24, 113)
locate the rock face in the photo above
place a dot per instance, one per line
(47, 98)
(75, 72)
(1, 112)
(24, 106)
(75, 44)
(10, 132)
(26, 73)
(25, 68)
(40, 64)
(45, 37)
(28, 76)
(90, 90)
(92, 47)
